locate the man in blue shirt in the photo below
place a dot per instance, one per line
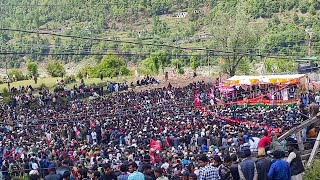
(280, 169)
(135, 174)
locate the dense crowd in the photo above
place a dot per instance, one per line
(154, 134)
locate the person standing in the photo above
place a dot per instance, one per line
(124, 174)
(279, 169)
(107, 173)
(294, 159)
(224, 169)
(135, 174)
(158, 172)
(207, 172)
(52, 173)
(263, 165)
(247, 168)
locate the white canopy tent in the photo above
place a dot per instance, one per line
(264, 79)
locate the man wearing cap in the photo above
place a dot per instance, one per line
(207, 172)
(52, 173)
(294, 159)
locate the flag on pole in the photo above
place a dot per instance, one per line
(196, 99)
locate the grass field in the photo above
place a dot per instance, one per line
(51, 82)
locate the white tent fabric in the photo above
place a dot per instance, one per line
(245, 80)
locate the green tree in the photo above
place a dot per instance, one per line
(177, 64)
(312, 9)
(279, 66)
(110, 66)
(303, 6)
(16, 74)
(159, 59)
(194, 62)
(296, 19)
(55, 68)
(232, 33)
(32, 68)
(147, 66)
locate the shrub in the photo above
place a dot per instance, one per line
(313, 172)
(110, 66)
(32, 68)
(80, 75)
(16, 75)
(5, 92)
(55, 68)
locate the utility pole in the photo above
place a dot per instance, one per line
(309, 32)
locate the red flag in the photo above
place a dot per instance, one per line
(152, 159)
(196, 99)
(154, 145)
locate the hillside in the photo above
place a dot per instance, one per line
(281, 24)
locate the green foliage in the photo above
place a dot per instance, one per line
(303, 6)
(192, 15)
(194, 62)
(245, 68)
(279, 66)
(313, 172)
(15, 74)
(55, 68)
(159, 27)
(148, 66)
(296, 19)
(32, 68)
(80, 75)
(5, 92)
(70, 79)
(159, 59)
(233, 33)
(110, 66)
(132, 17)
(177, 64)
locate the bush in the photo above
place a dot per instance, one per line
(313, 172)
(16, 75)
(55, 68)
(80, 75)
(180, 71)
(32, 68)
(110, 66)
(5, 92)
(303, 7)
(144, 71)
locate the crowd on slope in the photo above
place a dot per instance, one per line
(154, 134)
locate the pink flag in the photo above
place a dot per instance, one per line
(196, 99)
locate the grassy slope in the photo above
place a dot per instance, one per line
(51, 82)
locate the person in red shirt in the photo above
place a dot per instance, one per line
(264, 141)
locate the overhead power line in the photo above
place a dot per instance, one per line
(211, 51)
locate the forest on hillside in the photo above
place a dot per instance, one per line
(272, 27)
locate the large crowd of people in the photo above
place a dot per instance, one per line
(154, 134)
